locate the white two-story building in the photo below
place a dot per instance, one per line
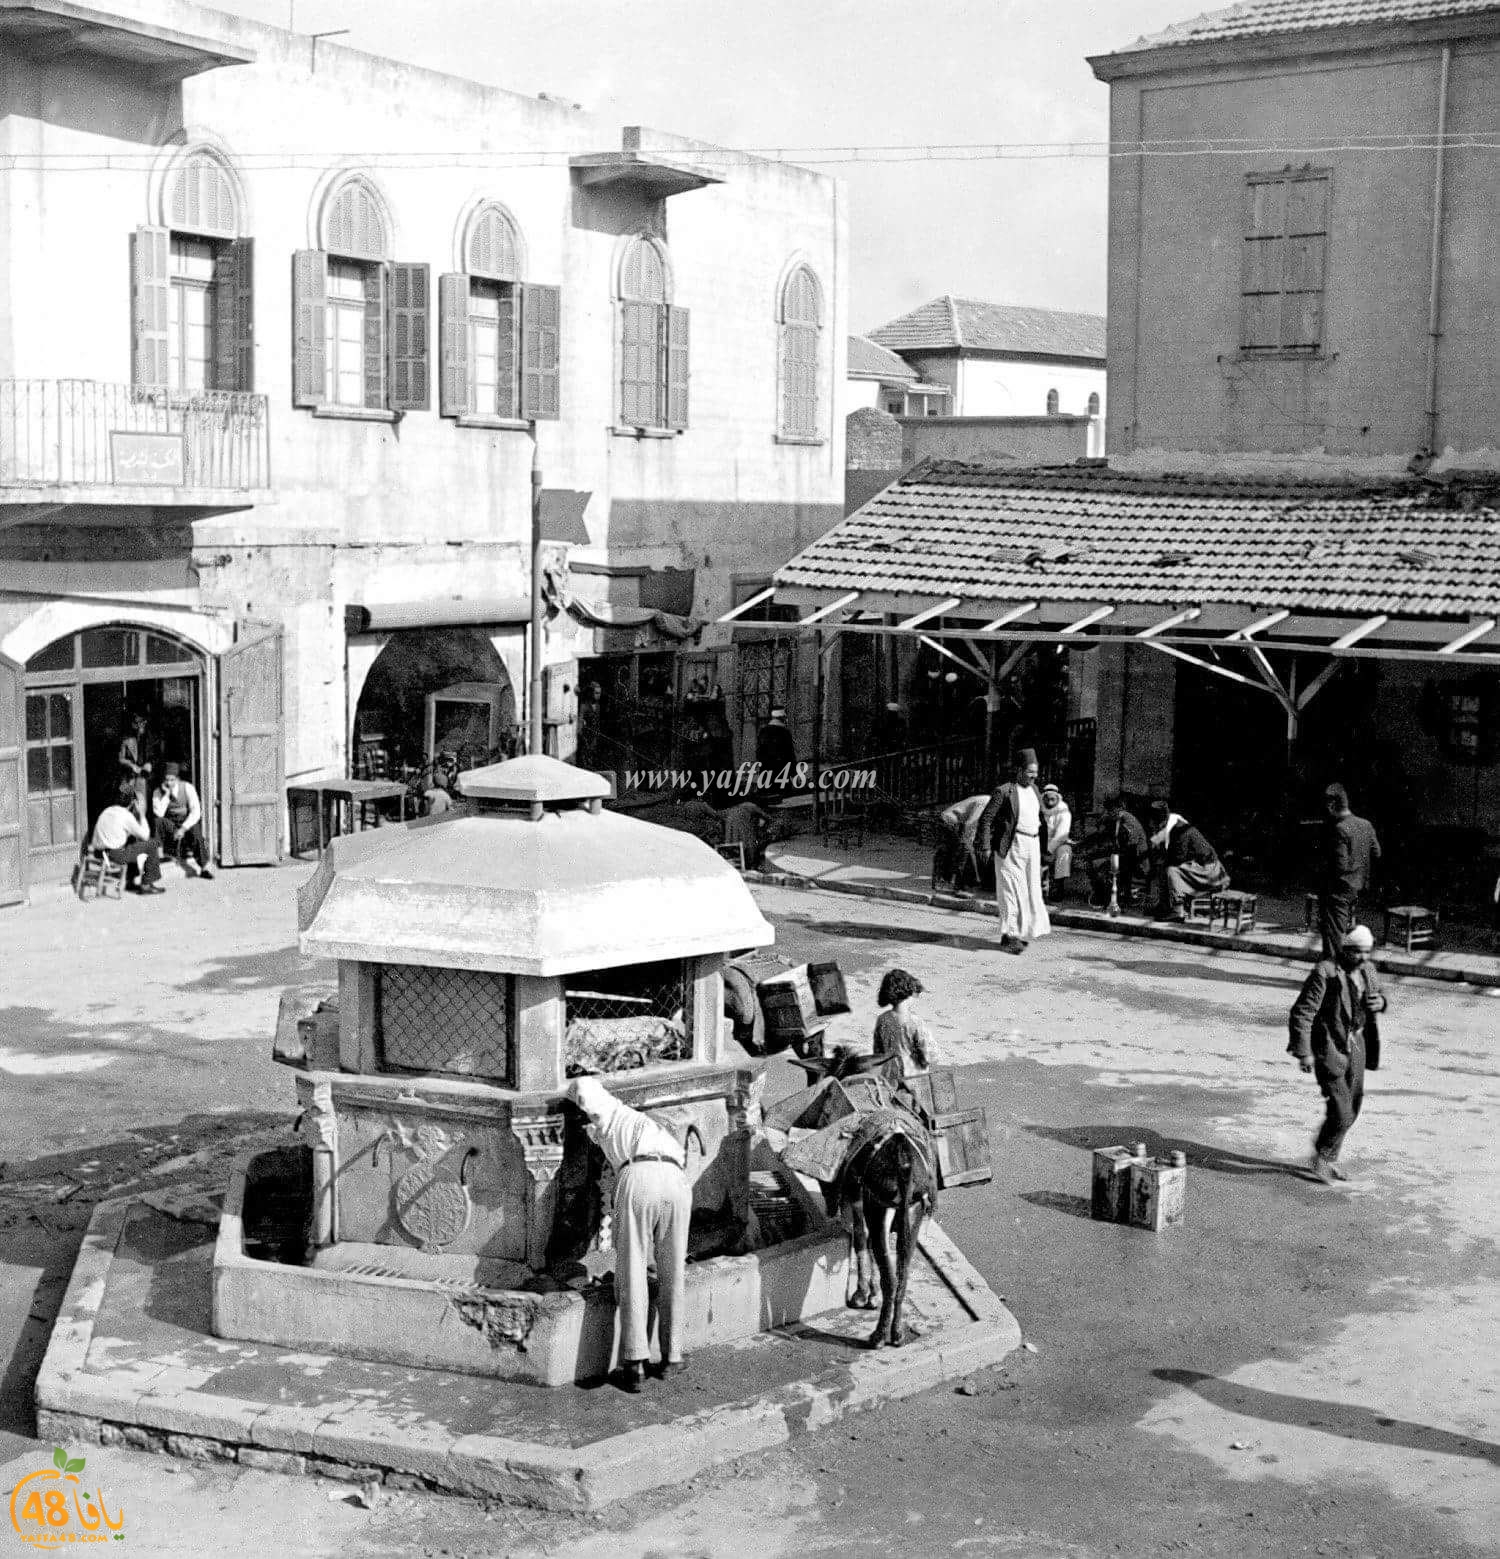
(284, 330)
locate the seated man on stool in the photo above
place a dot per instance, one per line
(122, 835)
(178, 814)
(653, 1207)
(1189, 865)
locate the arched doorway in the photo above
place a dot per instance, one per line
(82, 694)
(390, 721)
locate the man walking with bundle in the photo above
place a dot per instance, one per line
(1350, 850)
(1334, 1036)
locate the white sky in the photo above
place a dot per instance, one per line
(820, 73)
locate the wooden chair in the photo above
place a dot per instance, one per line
(1411, 926)
(1233, 901)
(97, 875)
(733, 852)
(844, 816)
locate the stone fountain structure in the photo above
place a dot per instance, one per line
(448, 1210)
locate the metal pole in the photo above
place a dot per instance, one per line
(817, 756)
(1435, 275)
(534, 692)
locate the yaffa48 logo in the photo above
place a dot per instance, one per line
(52, 1507)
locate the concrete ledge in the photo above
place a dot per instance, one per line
(1481, 972)
(357, 1439)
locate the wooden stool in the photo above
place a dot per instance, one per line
(733, 852)
(1411, 926)
(1231, 901)
(1201, 904)
(97, 874)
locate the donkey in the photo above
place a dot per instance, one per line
(888, 1181)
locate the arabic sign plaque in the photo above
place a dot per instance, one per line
(148, 459)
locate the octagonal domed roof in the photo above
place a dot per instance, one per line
(571, 889)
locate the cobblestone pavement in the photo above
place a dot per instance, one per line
(1296, 1371)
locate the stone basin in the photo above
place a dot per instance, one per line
(447, 1312)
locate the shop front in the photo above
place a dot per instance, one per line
(69, 708)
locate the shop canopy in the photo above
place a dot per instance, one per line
(1189, 566)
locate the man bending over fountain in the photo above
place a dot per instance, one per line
(653, 1206)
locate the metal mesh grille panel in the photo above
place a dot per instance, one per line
(622, 1019)
(444, 1020)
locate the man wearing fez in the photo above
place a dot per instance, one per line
(653, 1207)
(1334, 1036)
(179, 820)
(1010, 830)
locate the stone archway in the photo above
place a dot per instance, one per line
(390, 716)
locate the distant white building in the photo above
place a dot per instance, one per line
(997, 360)
(881, 378)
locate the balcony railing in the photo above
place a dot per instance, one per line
(81, 433)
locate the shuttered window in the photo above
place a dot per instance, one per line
(1284, 262)
(192, 312)
(191, 358)
(362, 323)
(800, 326)
(653, 344)
(499, 338)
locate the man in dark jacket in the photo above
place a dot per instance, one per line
(1350, 850)
(1188, 863)
(776, 756)
(1329, 1022)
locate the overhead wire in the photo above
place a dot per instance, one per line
(282, 159)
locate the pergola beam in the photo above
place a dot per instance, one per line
(1366, 628)
(830, 609)
(747, 606)
(1313, 688)
(1186, 615)
(927, 613)
(1005, 619)
(1273, 683)
(1464, 640)
(1261, 624)
(958, 660)
(1098, 614)
(1206, 665)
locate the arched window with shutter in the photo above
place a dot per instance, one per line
(362, 320)
(192, 281)
(653, 341)
(800, 329)
(499, 338)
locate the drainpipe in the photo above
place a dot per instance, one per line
(1435, 278)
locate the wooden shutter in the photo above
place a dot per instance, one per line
(677, 367)
(541, 342)
(12, 782)
(234, 315)
(150, 283)
(309, 323)
(377, 284)
(508, 356)
(453, 345)
(250, 750)
(407, 330)
(640, 364)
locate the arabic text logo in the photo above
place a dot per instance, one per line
(51, 1508)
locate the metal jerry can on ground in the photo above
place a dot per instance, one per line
(1110, 1201)
(1158, 1189)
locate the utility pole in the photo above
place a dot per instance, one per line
(534, 693)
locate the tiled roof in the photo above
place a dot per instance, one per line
(1260, 17)
(1080, 534)
(869, 360)
(949, 322)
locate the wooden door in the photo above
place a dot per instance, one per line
(12, 784)
(250, 750)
